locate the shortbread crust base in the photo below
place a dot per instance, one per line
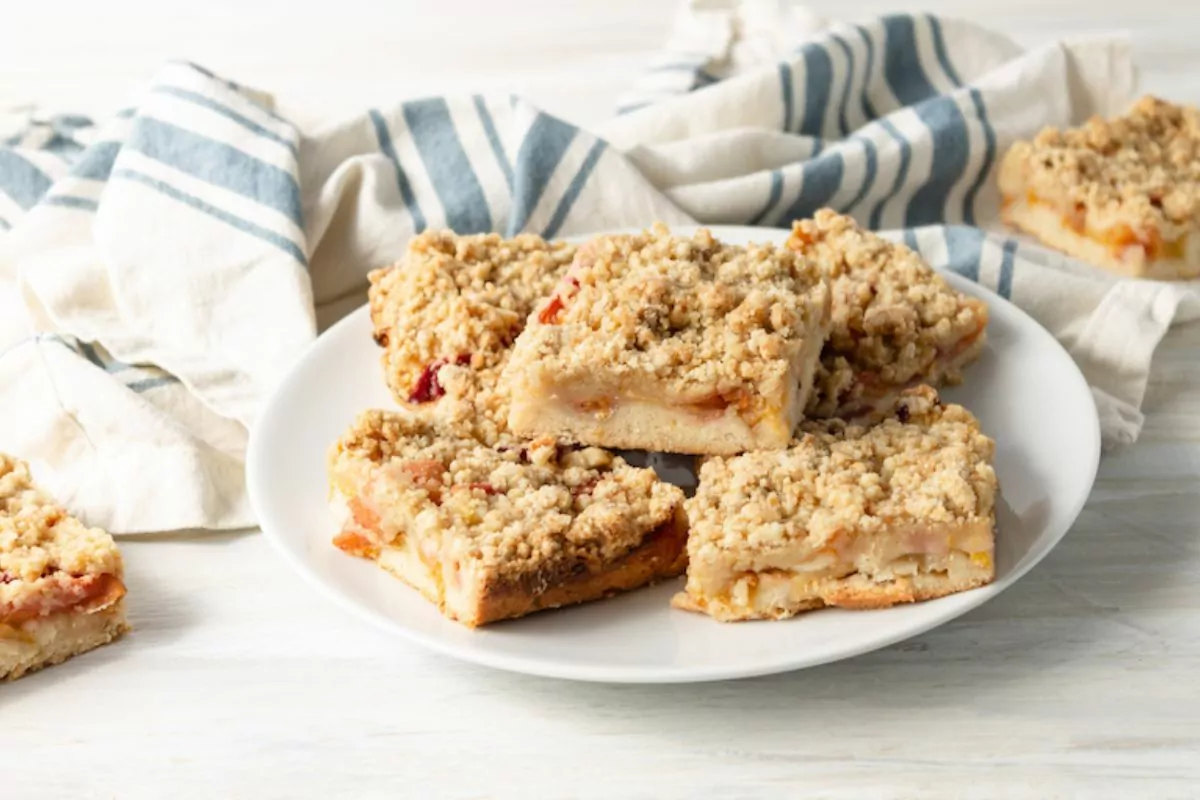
(51, 640)
(778, 594)
(475, 600)
(626, 422)
(1046, 224)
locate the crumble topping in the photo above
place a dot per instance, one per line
(927, 464)
(447, 315)
(510, 507)
(1141, 169)
(894, 320)
(701, 317)
(42, 548)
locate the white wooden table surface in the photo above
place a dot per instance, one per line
(241, 682)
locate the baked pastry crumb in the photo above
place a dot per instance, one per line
(895, 322)
(490, 532)
(447, 315)
(61, 589)
(1122, 193)
(850, 516)
(672, 344)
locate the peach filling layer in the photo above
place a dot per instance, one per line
(1116, 238)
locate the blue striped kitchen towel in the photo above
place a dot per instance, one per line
(160, 270)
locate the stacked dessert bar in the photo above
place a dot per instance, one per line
(803, 376)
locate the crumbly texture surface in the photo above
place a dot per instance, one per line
(706, 330)
(842, 497)
(60, 581)
(41, 545)
(507, 509)
(895, 322)
(699, 316)
(1133, 179)
(447, 315)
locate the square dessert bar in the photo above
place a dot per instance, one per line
(673, 344)
(61, 592)
(1123, 194)
(895, 322)
(447, 315)
(851, 516)
(495, 532)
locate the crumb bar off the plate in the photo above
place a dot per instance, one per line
(60, 582)
(494, 532)
(447, 315)
(895, 323)
(1123, 194)
(851, 516)
(671, 344)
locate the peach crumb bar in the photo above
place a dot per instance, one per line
(495, 532)
(61, 589)
(1123, 193)
(672, 344)
(851, 516)
(896, 323)
(447, 315)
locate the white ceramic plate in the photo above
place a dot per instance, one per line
(1025, 389)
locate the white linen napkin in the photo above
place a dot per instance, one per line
(160, 272)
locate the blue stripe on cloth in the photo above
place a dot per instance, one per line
(543, 148)
(66, 201)
(1004, 285)
(902, 63)
(963, 248)
(493, 137)
(5, 225)
(868, 108)
(704, 78)
(910, 240)
(70, 122)
(631, 107)
(21, 180)
(406, 193)
(785, 90)
(258, 232)
(989, 154)
(843, 125)
(901, 171)
(151, 383)
(207, 102)
(574, 189)
(97, 161)
(776, 192)
(446, 163)
(820, 179)
(125, 113)
(951, 148)
(870, 171)
(62, 146)
(939, 47)
(86, 350)
(219, 164)
(818, 81)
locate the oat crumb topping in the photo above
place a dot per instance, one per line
(447, 315)
(929, 463)
(510, 506)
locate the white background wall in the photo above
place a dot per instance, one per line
(342, 55)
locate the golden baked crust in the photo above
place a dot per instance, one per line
(849, 515)
(711, 330)
(505, 529)
(1129, 187)
(52, 569)
(447, 315)
(895, 323)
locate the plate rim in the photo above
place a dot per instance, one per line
(641, 674)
